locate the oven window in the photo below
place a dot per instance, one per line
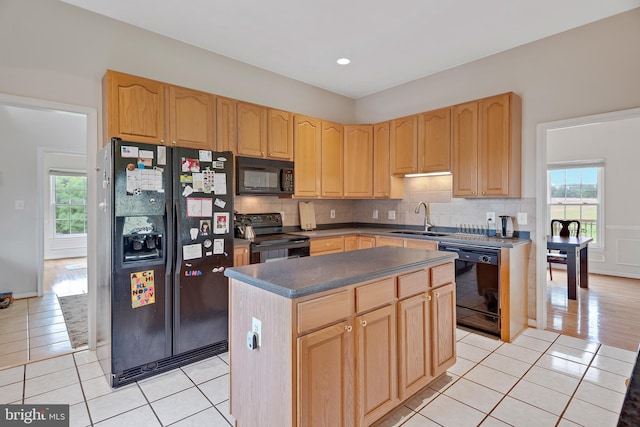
(261, 179)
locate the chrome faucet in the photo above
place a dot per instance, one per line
(427, 222)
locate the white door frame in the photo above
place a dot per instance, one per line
(92, 149)
(541, 197)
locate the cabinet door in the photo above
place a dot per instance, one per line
(332, 160)
(404, 145)
(307, 153)
(389, 241)
(191, 115)
(494, 149)
(326, 245)
(134, 109)
(365, 242)
(443, 329)
(434, 141)
(358, 161)
(431, 245)
(350, 243)
(381, 169)
(465, 150)
(414, 344)
(252, 130)
(325, 377)
(226, 124)
(376, 364)
(279, 134)
(240, 256)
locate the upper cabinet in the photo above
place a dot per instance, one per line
(307, 138)
(385, 185)
(358, 161)
(226, 122)
(191, 118)
(133, 108)
(252, 130)
(404, 145)
(332, 160)
(279, 134)
(487, 144)
(434, 141)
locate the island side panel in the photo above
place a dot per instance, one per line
(262, 380)
(519, 292)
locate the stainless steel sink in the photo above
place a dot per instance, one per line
(420, 233)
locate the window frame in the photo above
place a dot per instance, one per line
(53, 173)
(599, 164)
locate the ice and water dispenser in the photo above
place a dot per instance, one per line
(142, 238)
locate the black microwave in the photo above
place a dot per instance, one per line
(256, 176)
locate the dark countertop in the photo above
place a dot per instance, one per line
(475, 240)
(630, 414)
(299, 277)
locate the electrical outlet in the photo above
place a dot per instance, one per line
(392, 214)
(332, 213)
(256, 327)
(491, 217)
(375, 214)
(522, 218)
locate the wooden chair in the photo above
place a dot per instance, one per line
(562, 228)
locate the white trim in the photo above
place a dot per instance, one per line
(92, 149)
(541, 196)
(623, 227)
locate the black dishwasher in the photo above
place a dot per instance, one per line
(477, 286)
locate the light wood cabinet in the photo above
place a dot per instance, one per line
(326, 245)
(252, 130)
(226, 123)
(332, 160)
(376, 364)
(351, 243)
(443, 331)
(191, 118)
(389, 241)
(365, 242)
(133, 108)
(431, 245)
(486, 154)
(385, 185)
(414, 344)
(240, 256)
(358, 161)
(404, 145)
(434, 141)
(279, 134)
(326, 377)
(307, 140)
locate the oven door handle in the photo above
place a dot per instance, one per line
(288, 245)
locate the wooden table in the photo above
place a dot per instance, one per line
(576, 249)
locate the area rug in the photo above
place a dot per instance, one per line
(74, 310)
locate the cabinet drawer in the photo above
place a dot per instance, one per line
(442, 274)
(324, 310)
(326, 245)
(375, 294)
(413, 283)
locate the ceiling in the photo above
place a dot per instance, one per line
(388, 42)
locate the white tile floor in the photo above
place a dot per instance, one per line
(541, 379)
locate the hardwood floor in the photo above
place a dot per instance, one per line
(607, 312)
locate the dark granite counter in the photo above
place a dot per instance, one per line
(630, 414)
(309, 275)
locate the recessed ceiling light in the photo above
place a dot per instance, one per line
(343, 61)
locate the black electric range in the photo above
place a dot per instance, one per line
(270, 243)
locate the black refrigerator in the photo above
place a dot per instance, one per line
(166, 236)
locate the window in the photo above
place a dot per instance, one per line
(69, 200)
(575, 192)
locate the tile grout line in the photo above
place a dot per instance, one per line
(84, 396)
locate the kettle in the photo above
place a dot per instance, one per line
(248, 233)
(507, 226)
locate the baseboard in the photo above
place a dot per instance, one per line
(25, 295)
(532, 323)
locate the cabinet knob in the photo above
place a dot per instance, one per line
(174, 143)
(162, 140)
(437, 294)
(428, 297)
(348, 328)
(363, 323)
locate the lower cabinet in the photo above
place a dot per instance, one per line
(414, 345)
(240, 256)
(443, 331)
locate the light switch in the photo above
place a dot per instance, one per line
(375, 214)
(522, 218)
(392, 214)
(332, 213)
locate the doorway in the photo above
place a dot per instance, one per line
(542, 223)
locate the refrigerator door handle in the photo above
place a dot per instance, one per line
(178, 228)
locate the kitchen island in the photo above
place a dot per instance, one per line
(340, 339)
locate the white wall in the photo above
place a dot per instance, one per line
(617, 142)
(23, 132)
(66, 246)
